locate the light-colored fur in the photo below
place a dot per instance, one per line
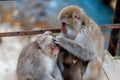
(83, 39)
(37, 60)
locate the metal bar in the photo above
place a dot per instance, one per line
(110, 26)
(27, 32)
(114, 38)
(34, 32)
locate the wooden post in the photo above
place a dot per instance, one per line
(114, 38)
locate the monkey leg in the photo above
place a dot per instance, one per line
(60, 60)
(93, 69)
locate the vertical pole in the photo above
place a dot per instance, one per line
(107, 1)
(114, 38)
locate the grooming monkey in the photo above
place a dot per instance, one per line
(37, 60)
(81, 37)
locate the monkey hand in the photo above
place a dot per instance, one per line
(69, 45)
(60, 41)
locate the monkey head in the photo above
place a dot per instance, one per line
(47, 46)
(72, 17)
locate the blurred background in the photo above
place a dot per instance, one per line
(19, 15)
(42, 14)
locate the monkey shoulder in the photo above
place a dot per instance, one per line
(32, 56)
(28, 51)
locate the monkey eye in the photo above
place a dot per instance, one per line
(77, 17)
(69, 16)
(83, 23)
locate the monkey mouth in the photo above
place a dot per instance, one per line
(63, 27)
(63, 23)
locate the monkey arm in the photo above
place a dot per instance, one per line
(75, 48)
(60, 60)
(57, 73)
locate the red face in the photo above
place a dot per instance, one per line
(63, 28)
(73, 17)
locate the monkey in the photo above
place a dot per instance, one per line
(81, 37)
(37, 60)
(72, 67)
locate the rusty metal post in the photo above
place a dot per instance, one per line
(114, 38)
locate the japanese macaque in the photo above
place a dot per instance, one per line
(73, 67)
(37, 60)
(81, 37)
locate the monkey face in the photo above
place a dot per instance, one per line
(70, 21)
(71, 17)
(47, 46)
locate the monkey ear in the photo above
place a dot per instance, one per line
(42, 44)
(85, 20)
(83, 17)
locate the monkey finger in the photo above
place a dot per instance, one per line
(55, 40)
